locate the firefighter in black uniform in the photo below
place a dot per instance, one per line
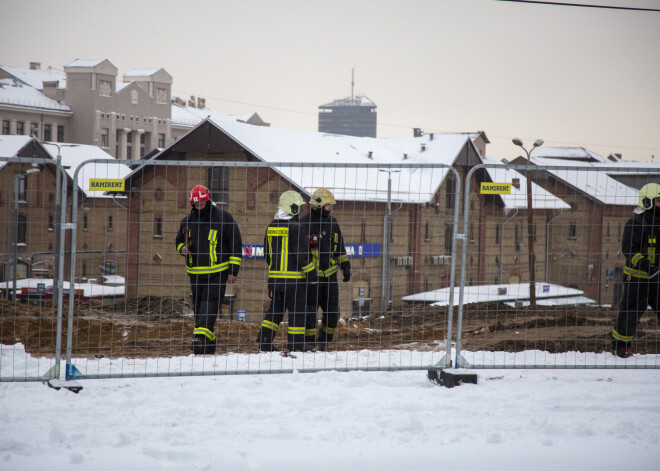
(641, 283)
(329, 254)
(290, 271)
(210, 240)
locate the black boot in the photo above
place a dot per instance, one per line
(265, 341)
(621, 349)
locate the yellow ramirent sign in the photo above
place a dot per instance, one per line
(106, 184)
(496, 188)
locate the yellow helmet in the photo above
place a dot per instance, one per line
(647, 194)
(291, 202)
(321, 197)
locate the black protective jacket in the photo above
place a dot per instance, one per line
(326, 242)
(214, 241)
(286, 252)
(641, 237)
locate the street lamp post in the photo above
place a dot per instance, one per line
(530, 221)
(15, 179)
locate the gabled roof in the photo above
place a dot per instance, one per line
(157, 75)
(100, 66)
(596, 183)
(569, 153)
(302, 153)
(20, 146)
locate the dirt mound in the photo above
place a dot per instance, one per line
(155, 327)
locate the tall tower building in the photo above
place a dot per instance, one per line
(352, 116)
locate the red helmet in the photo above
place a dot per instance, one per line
(199, 193)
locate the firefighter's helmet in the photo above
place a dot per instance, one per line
(291, 202)
(647, 194)
(321, 197)
(199, 193)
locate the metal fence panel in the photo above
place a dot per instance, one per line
(29, 321)
(398, 222)
(568, 254)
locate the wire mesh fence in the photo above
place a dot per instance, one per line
(408, 230)
(550, 278)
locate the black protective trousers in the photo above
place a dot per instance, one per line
(324, 294)
(637, 295)
(292, 297)
(208, 292)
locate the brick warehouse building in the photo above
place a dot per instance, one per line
(422, 208)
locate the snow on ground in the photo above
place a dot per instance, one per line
(606, 419)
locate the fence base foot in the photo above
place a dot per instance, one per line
(58, 384)
(451, 379)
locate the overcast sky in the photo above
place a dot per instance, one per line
(572, 76)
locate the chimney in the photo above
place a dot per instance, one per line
(35, 65)
(423, 147)
(417, 132)
(516, 182)
(431, 137)
(371, 155)
(405, 156)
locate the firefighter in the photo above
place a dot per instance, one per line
(210, 241)
(641, 284)
(329, 255)
(290, 270)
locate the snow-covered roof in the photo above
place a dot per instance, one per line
(594, 180)
(492, 293)
(13, 92)
(569, 153)
(10, 146)
(85, 63)
(189, 116)
(141, 72)
(517, 199)
(74, 154)
(350, 101)
(411, 185)
(34, 78)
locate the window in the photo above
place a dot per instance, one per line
(572, 231)
(472, 233)
(85, 222)
(50, 223)
(218, 178)
(5, 126)
(497, 234)
(427, 234)
(105, 87)
(20, 128)
(608, 231)
(449, 237)
(161, 140)
(48, 133)
(34, 129)
(22, 226)
(109, 223)
(105, 137)
(21, 183)
(129, 145)
(449, 194)
(618, 234)
(161, 95)
(134, 98)
(60, 133)
(363, 232)
(108, 268)
(143, 140)
(158, 227)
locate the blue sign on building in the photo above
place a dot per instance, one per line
(352, 250)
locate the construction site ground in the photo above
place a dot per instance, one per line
(155, 327)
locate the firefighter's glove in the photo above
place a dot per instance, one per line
(312, 277)
(347, 273)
